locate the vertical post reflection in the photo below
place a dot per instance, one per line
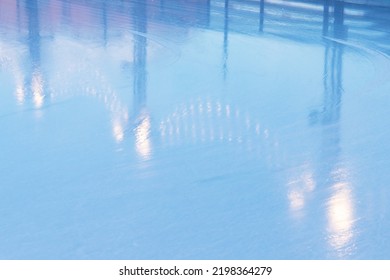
(340, 213)
(332, 174)
(208, 12)
(325, 21)
(225, 39)
(65, 11)
(35, 80)
(140, 55)
(333, 65)
(143, 124)
(34, 42)
(18, 13)
(261, 16)
(104, 18)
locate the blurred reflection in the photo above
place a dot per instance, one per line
(37, 89)
(142, 137)
(34, 80)
(65, 11)
(140, 54)
(208, 4)
(18, 14)
(261, 16)
(341, 217)
(34, 38)
(213, 117)
(118, 130)
(206, 120)
(299, 188)
(104, 22)
(330, 173)
(143, 124)
(325, 18)
(225, 38)
(340, 212)
(333, 67)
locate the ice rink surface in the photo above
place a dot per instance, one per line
(194, 129)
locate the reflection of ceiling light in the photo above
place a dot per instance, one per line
(297, 200)
(118, 131)
(37, 89)
(209, 108)
(299, 189)
(142, 138)
(219, 108)
(340, 216)
(20, 95)
(227, 111)
(209, 121)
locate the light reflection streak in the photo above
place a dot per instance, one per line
(20, 94)
(227, 111)
(11, 60)
(297, 200)
(163, 131)
(37, 90)
(196, 122)
(209, 108)
(340, 215)
(257, 129)
(299, 189)
(142, 138)
(219, 107)
(118, 130)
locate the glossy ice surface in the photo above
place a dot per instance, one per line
(194, 129)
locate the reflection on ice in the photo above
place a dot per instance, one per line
(213, 119)
(249, 122)
(37, 89)
(142, 137)
(298, 190)
(118, 130)
(20, 94)
(340, 216)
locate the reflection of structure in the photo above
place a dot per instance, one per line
(34, 42)
(210, 121)
(270, 16)
(290, 18)
(340, 213)
(261, 16)
(225, 39)
(143, 125)
(332, 75)
(207, 120)
(340, 205)
(274, 16)
(236, 16)
(139, 55)
(34, 81)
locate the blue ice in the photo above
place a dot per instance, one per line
(218, 129)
